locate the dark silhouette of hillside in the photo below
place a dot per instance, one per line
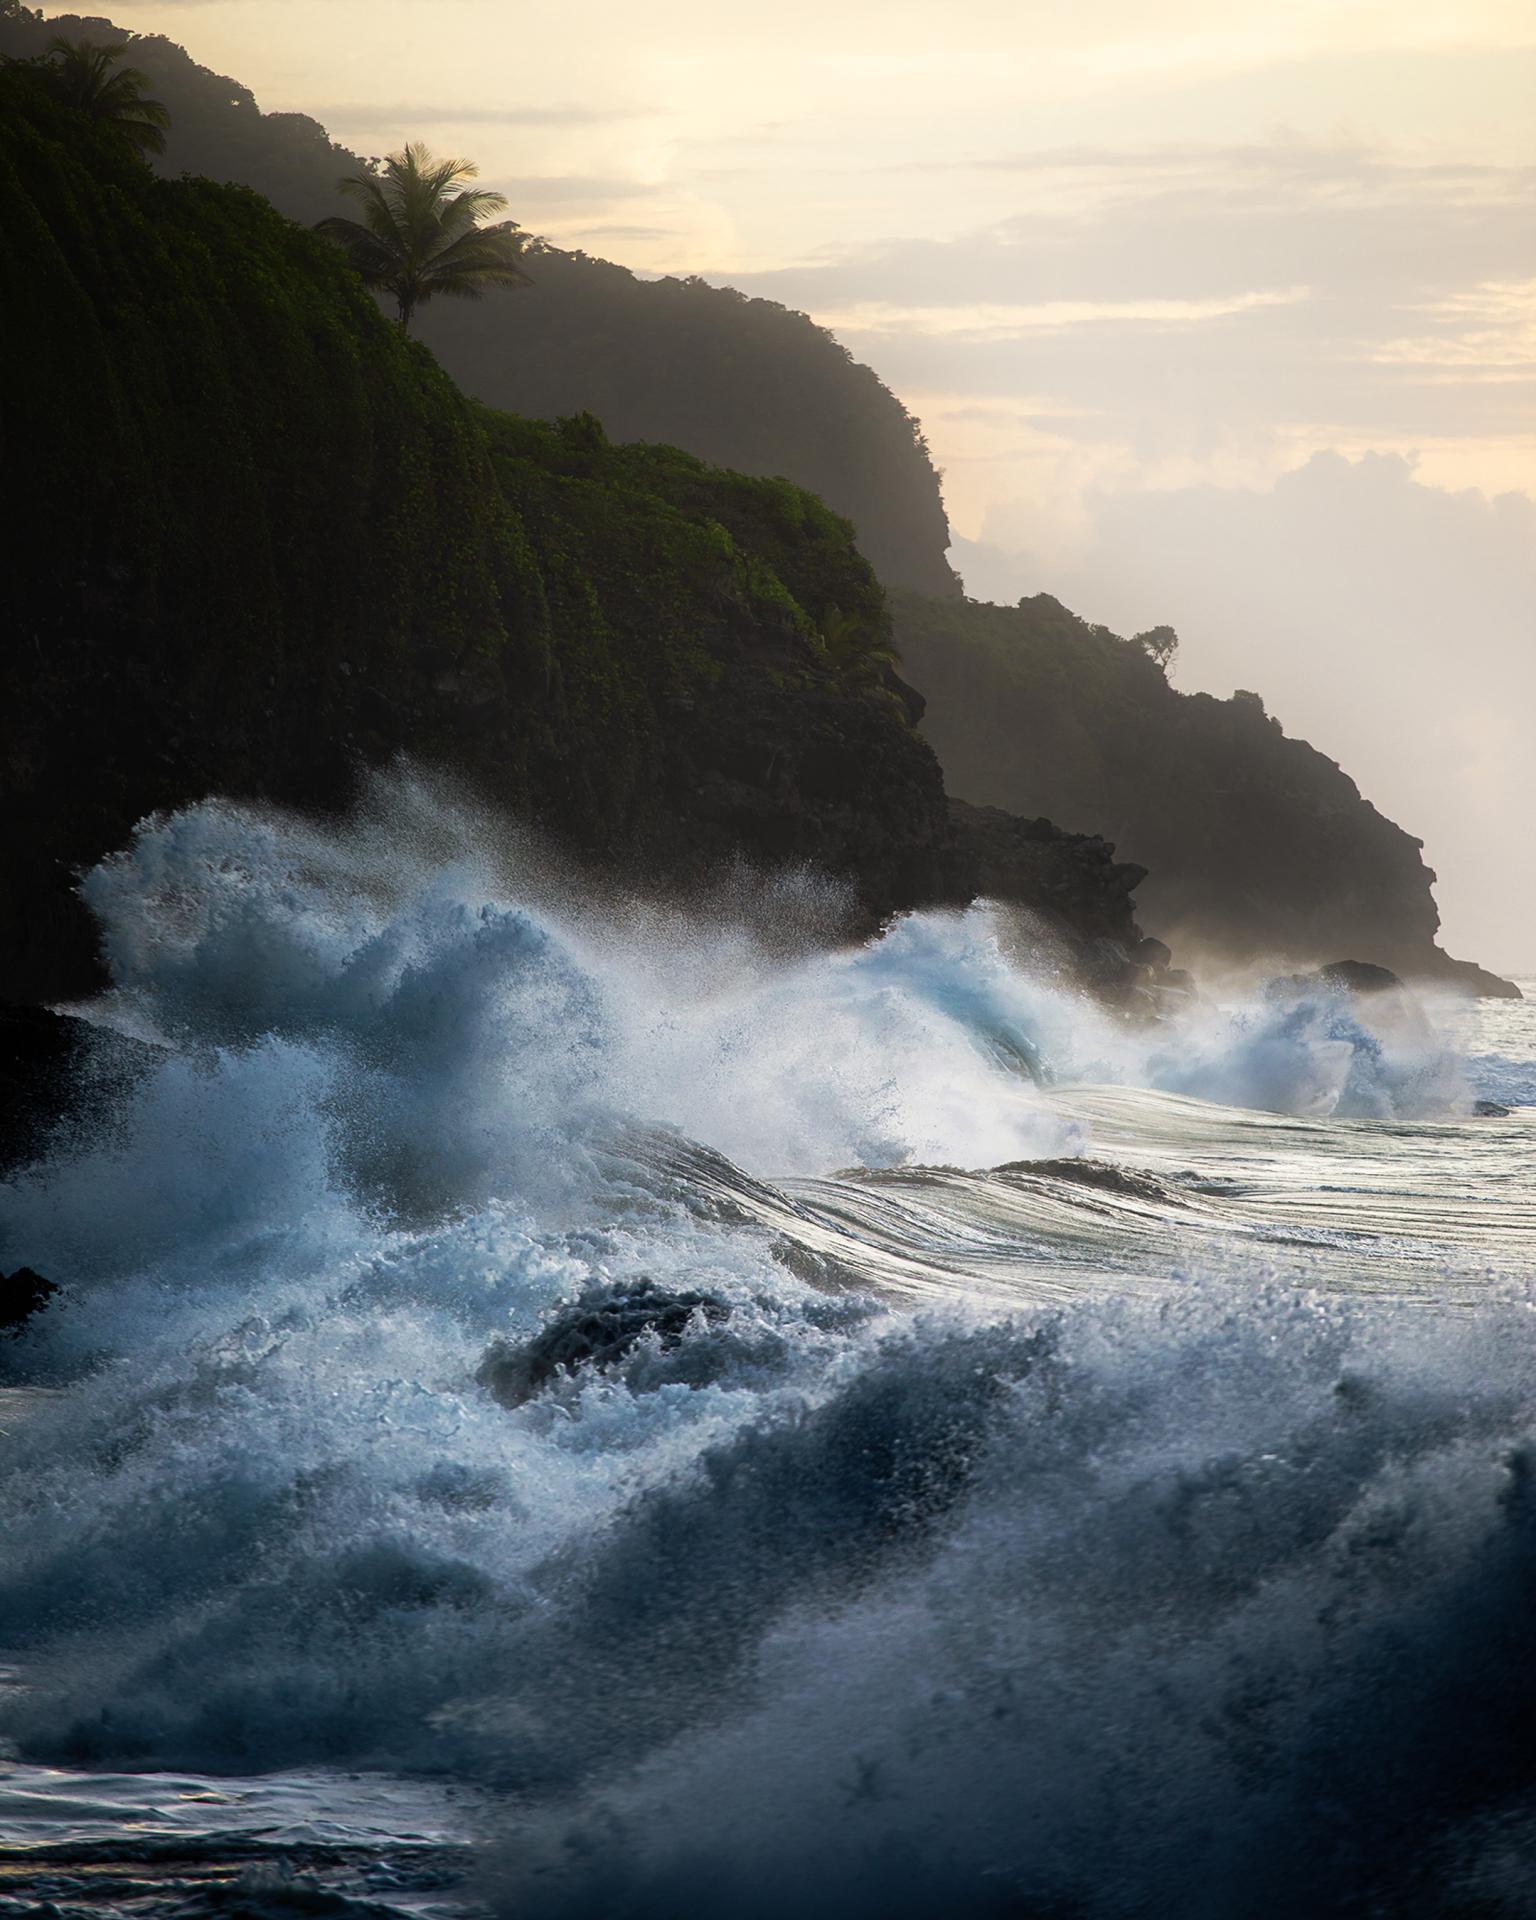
(740, 382)
(1258, 845)
(260, 542)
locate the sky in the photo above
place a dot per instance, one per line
(1214, 313)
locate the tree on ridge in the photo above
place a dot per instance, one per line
(1161, 643)
(421, 233)
(86, 76)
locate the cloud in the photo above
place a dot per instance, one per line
(554, 190)
(591, 229)
(1001, 320)
(1222, 223)
(1391, 623)
(1273, 159)
(1176, 301)
(362, 116)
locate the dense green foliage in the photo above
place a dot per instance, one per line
(265, 539)
(1257, 844)
(742, 383)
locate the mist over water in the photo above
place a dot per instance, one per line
(1066, 1478)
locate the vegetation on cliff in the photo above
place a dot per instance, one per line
(1258, 845)
(741, 383)
(266, 540)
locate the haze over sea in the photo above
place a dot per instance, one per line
(567, 1408)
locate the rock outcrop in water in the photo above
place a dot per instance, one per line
(1354, 976)
(597, 1331)
(22, 1294)
(1074, 892)
(52, 1065)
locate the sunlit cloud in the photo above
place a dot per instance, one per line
(362, 115)
(987, 320)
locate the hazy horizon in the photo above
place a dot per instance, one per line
(1229, 324)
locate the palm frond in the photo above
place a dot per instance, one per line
(88, 78)
(422, 230)
(371, 257)
(480, 247)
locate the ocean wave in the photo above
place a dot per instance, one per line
(781, 1443)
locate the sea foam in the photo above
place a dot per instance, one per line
(795, 1596)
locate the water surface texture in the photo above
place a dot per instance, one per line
(568, 1410)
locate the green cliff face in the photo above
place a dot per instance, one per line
(743, 383)
(1259, 847)
(264, 541)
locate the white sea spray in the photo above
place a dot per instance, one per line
(1038, 1542)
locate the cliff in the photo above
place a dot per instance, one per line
(265, 542)
(742, 383)
(1258, 846)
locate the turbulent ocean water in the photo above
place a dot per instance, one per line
(558, 1408)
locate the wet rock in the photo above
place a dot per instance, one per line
(22, 1294)
(1069, 884)
(1489, 1110)
(48, 1063)
(599, 1329)
(1360, 979)
(37, 1049)
(1355, 976)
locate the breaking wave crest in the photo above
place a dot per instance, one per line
(578, 1353)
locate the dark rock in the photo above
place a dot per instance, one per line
(1071, 883)
(22, 1294)
(1489, 1110)
(51, 1064)
(1475, 981)
(1358, 976)
(37, 1050)
(598, 1330)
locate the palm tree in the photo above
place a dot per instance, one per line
(86, 76)
(420, 233)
